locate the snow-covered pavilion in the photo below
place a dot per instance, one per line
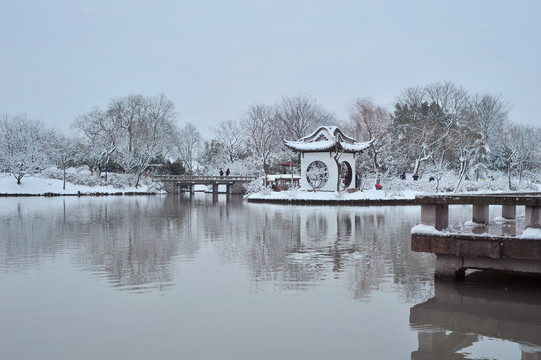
(327, 159)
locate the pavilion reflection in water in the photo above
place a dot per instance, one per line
(497, 306)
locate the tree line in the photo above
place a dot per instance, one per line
(433, 129)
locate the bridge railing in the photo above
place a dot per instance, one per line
(196, 178)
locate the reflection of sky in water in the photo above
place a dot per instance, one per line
(210, 276)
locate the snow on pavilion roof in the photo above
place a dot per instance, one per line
(326, 138)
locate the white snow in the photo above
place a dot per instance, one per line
(31, 185)
(425, 229)
(332, 195)
(531, 233)
(326, 138)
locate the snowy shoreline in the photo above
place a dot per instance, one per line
(47, 187)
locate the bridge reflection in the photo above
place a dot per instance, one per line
(463, 315)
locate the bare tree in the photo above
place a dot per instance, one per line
(128, 113)
(297, 116)
(229, 134)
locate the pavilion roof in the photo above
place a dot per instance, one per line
(327, 138)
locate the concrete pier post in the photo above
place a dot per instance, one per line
(436, 215)
(509, 212)
(214, 189)
(449, 267)
(533, 217)
(192, 189)
(228, 189)
(480, 214)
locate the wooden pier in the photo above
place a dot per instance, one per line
(457, 252)
(176, 183)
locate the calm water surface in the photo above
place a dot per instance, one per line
(175, 277)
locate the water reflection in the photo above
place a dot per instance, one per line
(136, 242)
(468, 318)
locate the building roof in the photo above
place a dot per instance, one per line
(327, 138)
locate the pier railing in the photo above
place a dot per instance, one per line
(435, 208)
(457, 252)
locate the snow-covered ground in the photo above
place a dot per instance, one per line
(394, 188)
(80, 180)
(33, 185)
(331, 195)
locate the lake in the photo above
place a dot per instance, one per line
(203, 277)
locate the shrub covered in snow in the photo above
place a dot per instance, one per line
(256, 186)
(83, 176)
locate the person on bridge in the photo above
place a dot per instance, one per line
(221, 173)
(227, 172)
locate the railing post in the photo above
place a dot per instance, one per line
(533, 216)
(480, 214)
(436, 215)
(509, 212)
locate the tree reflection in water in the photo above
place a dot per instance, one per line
(135, 241)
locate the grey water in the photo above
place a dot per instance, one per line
(203, 277)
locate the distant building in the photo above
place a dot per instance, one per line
(327, 159)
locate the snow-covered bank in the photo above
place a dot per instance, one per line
(395, 190)
(32, 185)
(296, 195)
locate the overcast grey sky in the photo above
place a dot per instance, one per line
(213, 59)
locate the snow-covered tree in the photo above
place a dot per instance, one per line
(518, 146)
(188, 143)
(490, 112)
(148, 133)
(102, 133)
(132, 132)
(22, 147)
(260, 131)
(369, 121)
(63, 150)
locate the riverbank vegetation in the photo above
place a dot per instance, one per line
(443, 133)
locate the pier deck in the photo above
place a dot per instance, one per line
(457, 252)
